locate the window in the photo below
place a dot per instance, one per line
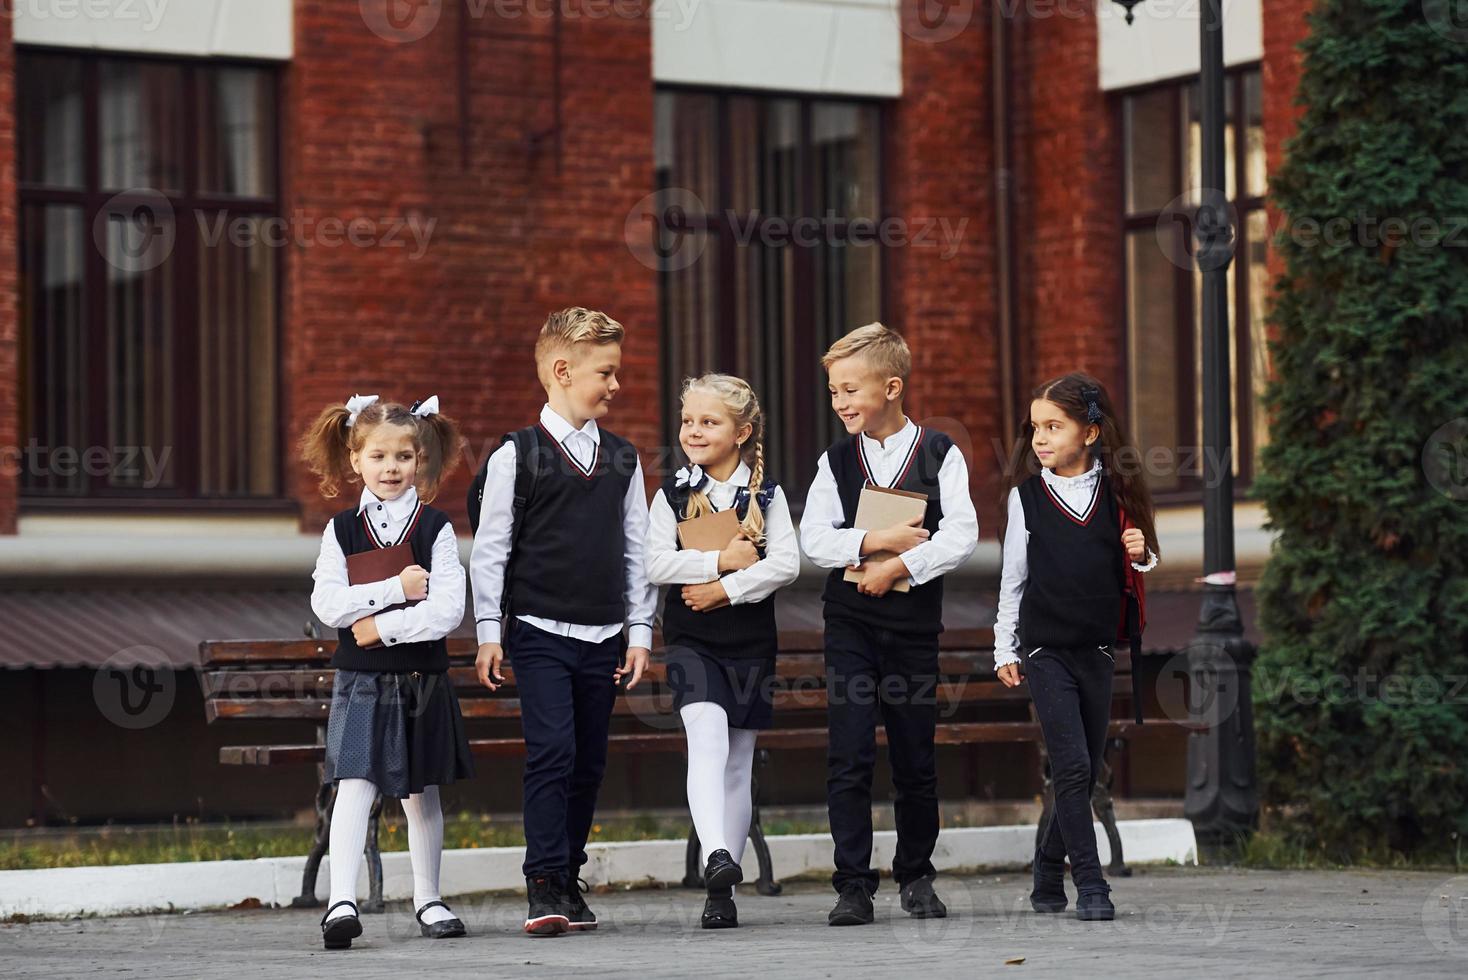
(1163, 174)
(148, 337)
(767, 235)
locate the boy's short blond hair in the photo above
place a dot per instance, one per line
(565, 329)
(884, 349)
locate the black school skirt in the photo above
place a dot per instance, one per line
(742, 686)
(402, 732)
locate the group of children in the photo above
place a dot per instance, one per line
(566, 563)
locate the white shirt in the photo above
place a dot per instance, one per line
(492, 543)
(830, 545)
(339, 605)
(1077, 493)
(666, 565)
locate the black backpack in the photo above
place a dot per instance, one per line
(527, 474)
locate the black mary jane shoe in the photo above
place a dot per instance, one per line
(719, 911)
(339, 932)
(721, 872)
(444, 928)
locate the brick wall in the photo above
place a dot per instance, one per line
(10, 435)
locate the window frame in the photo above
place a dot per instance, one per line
(808, 400)
(1245, 203)
(92, 198)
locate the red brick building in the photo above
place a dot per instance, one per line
(217, 216)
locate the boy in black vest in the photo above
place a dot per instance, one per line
(575, 577)
(881, 644)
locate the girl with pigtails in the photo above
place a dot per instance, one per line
(394, 727)
(719, 627)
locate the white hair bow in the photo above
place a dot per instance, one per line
(691, 478)
(425, 408)
(355, 405)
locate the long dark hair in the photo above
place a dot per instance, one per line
(1113, 447)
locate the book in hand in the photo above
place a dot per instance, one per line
(711, 532)
(879, 508)
(378, 564)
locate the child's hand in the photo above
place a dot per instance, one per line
(1010, 675)
(702, 598)
(878, 578)
(1135, 543)
(415, 582)
(635, 664)
(899, 538)
(487, 665)
(365, 632)
(739, 555)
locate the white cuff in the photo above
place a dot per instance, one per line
(1005, 659)
(732, 589)
(488, 631)
(388, 625)
(711, 566)
(1151, 564)
(639, 636)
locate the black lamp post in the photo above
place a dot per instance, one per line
(1222, 798)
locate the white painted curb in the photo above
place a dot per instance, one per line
(57, 892)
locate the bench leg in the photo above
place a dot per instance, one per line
(325, 800)
(766, 883)
(692, 866)
(1105, 810)
(374, 860)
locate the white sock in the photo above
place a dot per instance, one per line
(738, 798)
(707, 728)
(354, 799)
(425, 850)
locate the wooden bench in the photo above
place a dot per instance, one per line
(252, 680)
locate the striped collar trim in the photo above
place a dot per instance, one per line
(912, 450)
(586, 472)
(1079, 517)
(376, 538)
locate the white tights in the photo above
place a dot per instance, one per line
(349, 818)
(720, 766)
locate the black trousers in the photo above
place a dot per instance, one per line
(1071, 688)
(878, 677)
(566, 691)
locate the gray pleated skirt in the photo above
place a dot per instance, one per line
(402, 732)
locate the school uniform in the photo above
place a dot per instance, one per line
(725, 656)
(882, 652)
(577, 580)
(1060, 601)
(394, 718)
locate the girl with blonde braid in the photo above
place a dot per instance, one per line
(719, 627)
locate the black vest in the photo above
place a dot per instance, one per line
(745, 631)
(428, 656)
(919, 610)
(568, 562)
(1073, 595)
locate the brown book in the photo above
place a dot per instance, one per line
(711, 532)
(880, 508)
(378, 564)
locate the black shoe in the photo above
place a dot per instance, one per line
(339, 932)
(1095, 907)
(579, 918)
(853, 908)
(442, 929)
(719, 911)
(919, 901)
(1048, 894)
(721, 872)
(547, 915)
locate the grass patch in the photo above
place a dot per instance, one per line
(1273, 851)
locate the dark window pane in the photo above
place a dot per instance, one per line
(1150, 124)
(1255, 166)
(50, 143)
(1153, 356)
(54, 397)
(140, 346)
(844, 141)
(237, 358)
(142, 125)
(764, 146)
(686, 144)
(236, 132)
(1194, 147)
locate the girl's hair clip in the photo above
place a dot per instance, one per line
(355, 405)
(1093, 410)
(426, 407)
(692, 478)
